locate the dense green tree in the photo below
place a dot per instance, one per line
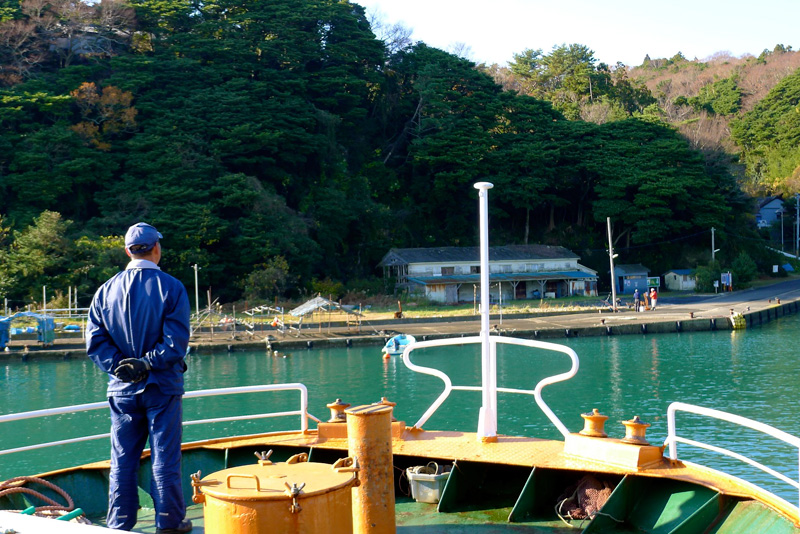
(744, 270)
(525, 162)
(768, 137)
(652, 184)
(39, 256)
(722, 97)
(269, 280)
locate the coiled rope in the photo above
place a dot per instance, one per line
(52, 509)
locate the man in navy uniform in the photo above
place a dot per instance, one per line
(138, 333)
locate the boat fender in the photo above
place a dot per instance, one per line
(230, 348)
(713, 324)
(678, 326)
(535, 333)
(424, 338)
(566, 332)
(349, 342)
(310, 344)
(608, 331)
(644, 329)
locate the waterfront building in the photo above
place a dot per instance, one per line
(630, 277)
(452, 274)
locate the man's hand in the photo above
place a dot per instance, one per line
(132, 370)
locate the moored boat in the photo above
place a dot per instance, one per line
(397, 344)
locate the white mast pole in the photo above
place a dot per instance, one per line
(487, 420)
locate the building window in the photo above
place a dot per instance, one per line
(474, 269)
(448, 270)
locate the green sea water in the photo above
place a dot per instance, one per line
(753, 373)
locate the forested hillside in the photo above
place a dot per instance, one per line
(701, 98)
(283, 148)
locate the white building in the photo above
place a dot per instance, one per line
(680, 280)
(452, 274)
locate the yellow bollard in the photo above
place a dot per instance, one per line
(369, 429)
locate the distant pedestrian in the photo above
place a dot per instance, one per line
(653, 298)
(636, 299)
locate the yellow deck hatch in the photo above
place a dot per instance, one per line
(278, 497)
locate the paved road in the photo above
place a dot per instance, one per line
(670, 309)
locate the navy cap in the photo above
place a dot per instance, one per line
(142, 236)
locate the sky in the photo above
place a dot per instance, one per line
(616, 30)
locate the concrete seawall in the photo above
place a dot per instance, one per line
(581, 324)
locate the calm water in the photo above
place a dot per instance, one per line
(752, 373)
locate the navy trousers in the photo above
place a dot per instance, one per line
(134, 419)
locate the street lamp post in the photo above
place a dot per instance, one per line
(611, 260)
(780, 212)
(713, 252)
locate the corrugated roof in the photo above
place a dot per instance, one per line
(630, 268)
(501, 277)
(402, 256)
(680, 271)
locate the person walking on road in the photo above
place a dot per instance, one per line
(653, 298)
(636, 299)
(138, 333)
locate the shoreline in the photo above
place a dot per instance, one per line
(713, 313)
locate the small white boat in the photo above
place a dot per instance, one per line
(397, 344)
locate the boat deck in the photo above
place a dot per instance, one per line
(509, 461)
(412, 517)
(518, 451)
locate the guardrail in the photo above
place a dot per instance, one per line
(302, 412)
(673, 439)
(492, 383)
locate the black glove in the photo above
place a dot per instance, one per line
(132, 370)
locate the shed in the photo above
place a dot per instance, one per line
(630, 277)
(680, 280)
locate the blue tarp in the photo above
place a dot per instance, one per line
(45, 330)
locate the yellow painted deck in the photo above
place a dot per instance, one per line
(517, 451)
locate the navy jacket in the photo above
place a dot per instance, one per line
(141, 312)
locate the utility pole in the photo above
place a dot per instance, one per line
(780, 212)
(797, 226)
(611, 260)
(713, 248)
(196, 294)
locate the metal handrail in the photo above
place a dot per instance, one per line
(302, 412)
(673, 439)
(493, 340)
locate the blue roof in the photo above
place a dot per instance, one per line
(681, 271)
(501, 277)
(630, 268)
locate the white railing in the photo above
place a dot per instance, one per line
(673, 439)
(302, 412)
(493, 341)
